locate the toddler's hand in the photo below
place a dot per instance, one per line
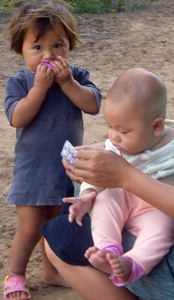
(44, 77)
(62, 71)
(80, 206)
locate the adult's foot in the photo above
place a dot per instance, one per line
(54, 279)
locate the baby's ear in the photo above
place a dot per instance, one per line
(158, 126)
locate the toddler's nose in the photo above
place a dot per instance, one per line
(48, 55)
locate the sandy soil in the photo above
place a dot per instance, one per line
(113, 43)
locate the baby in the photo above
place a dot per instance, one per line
(135, 111)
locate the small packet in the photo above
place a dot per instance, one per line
(68, 152)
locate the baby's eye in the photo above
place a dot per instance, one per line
(37, 47)
(125, 132)
(57, 45)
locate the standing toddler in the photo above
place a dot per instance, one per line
(44, 102)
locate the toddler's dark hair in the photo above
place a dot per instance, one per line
(41, 16)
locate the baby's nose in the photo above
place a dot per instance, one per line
(117, 138)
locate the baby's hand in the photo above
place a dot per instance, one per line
(62, 71)
(80, 206)
(44, 77)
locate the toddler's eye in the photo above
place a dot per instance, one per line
(37, 47)
(57, 45)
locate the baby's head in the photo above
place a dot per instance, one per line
(135, 110)
(41, 16)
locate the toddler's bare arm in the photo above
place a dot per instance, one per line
(28, 107)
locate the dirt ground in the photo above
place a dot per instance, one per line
(113, 43)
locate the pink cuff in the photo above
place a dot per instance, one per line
(114, 248)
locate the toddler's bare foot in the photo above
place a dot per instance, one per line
(20, 284)
(121, 266)
(17, 295)
(54, 279)
(97, 258)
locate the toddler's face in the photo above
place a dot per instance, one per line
(128, 132)
(46, 49)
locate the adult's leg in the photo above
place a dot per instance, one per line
(50, 274)
(90, 283)
(72, 242)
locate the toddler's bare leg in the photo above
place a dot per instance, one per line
(26, 238)
(121, 266)
(28, 235)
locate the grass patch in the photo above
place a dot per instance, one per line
(81, 6)
(91, 6)
(9, 4)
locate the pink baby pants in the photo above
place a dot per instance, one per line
(115, 209)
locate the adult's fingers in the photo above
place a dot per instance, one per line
(67, 166)
(97, 146)
(100, 168)
(70, 171)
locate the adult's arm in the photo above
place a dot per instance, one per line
(109, 170)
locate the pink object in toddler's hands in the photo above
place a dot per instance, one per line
(48, 64)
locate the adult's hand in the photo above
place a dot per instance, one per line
(101, 168)
(96, 146)
(70, 170)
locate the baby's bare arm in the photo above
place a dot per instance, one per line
(80, 205)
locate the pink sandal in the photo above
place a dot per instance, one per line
(16, 284)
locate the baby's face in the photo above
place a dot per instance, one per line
(128, 132)
(47, 48)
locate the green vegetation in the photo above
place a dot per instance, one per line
(9, 4)
(80, 6)
(101, 6)
(91, 6)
